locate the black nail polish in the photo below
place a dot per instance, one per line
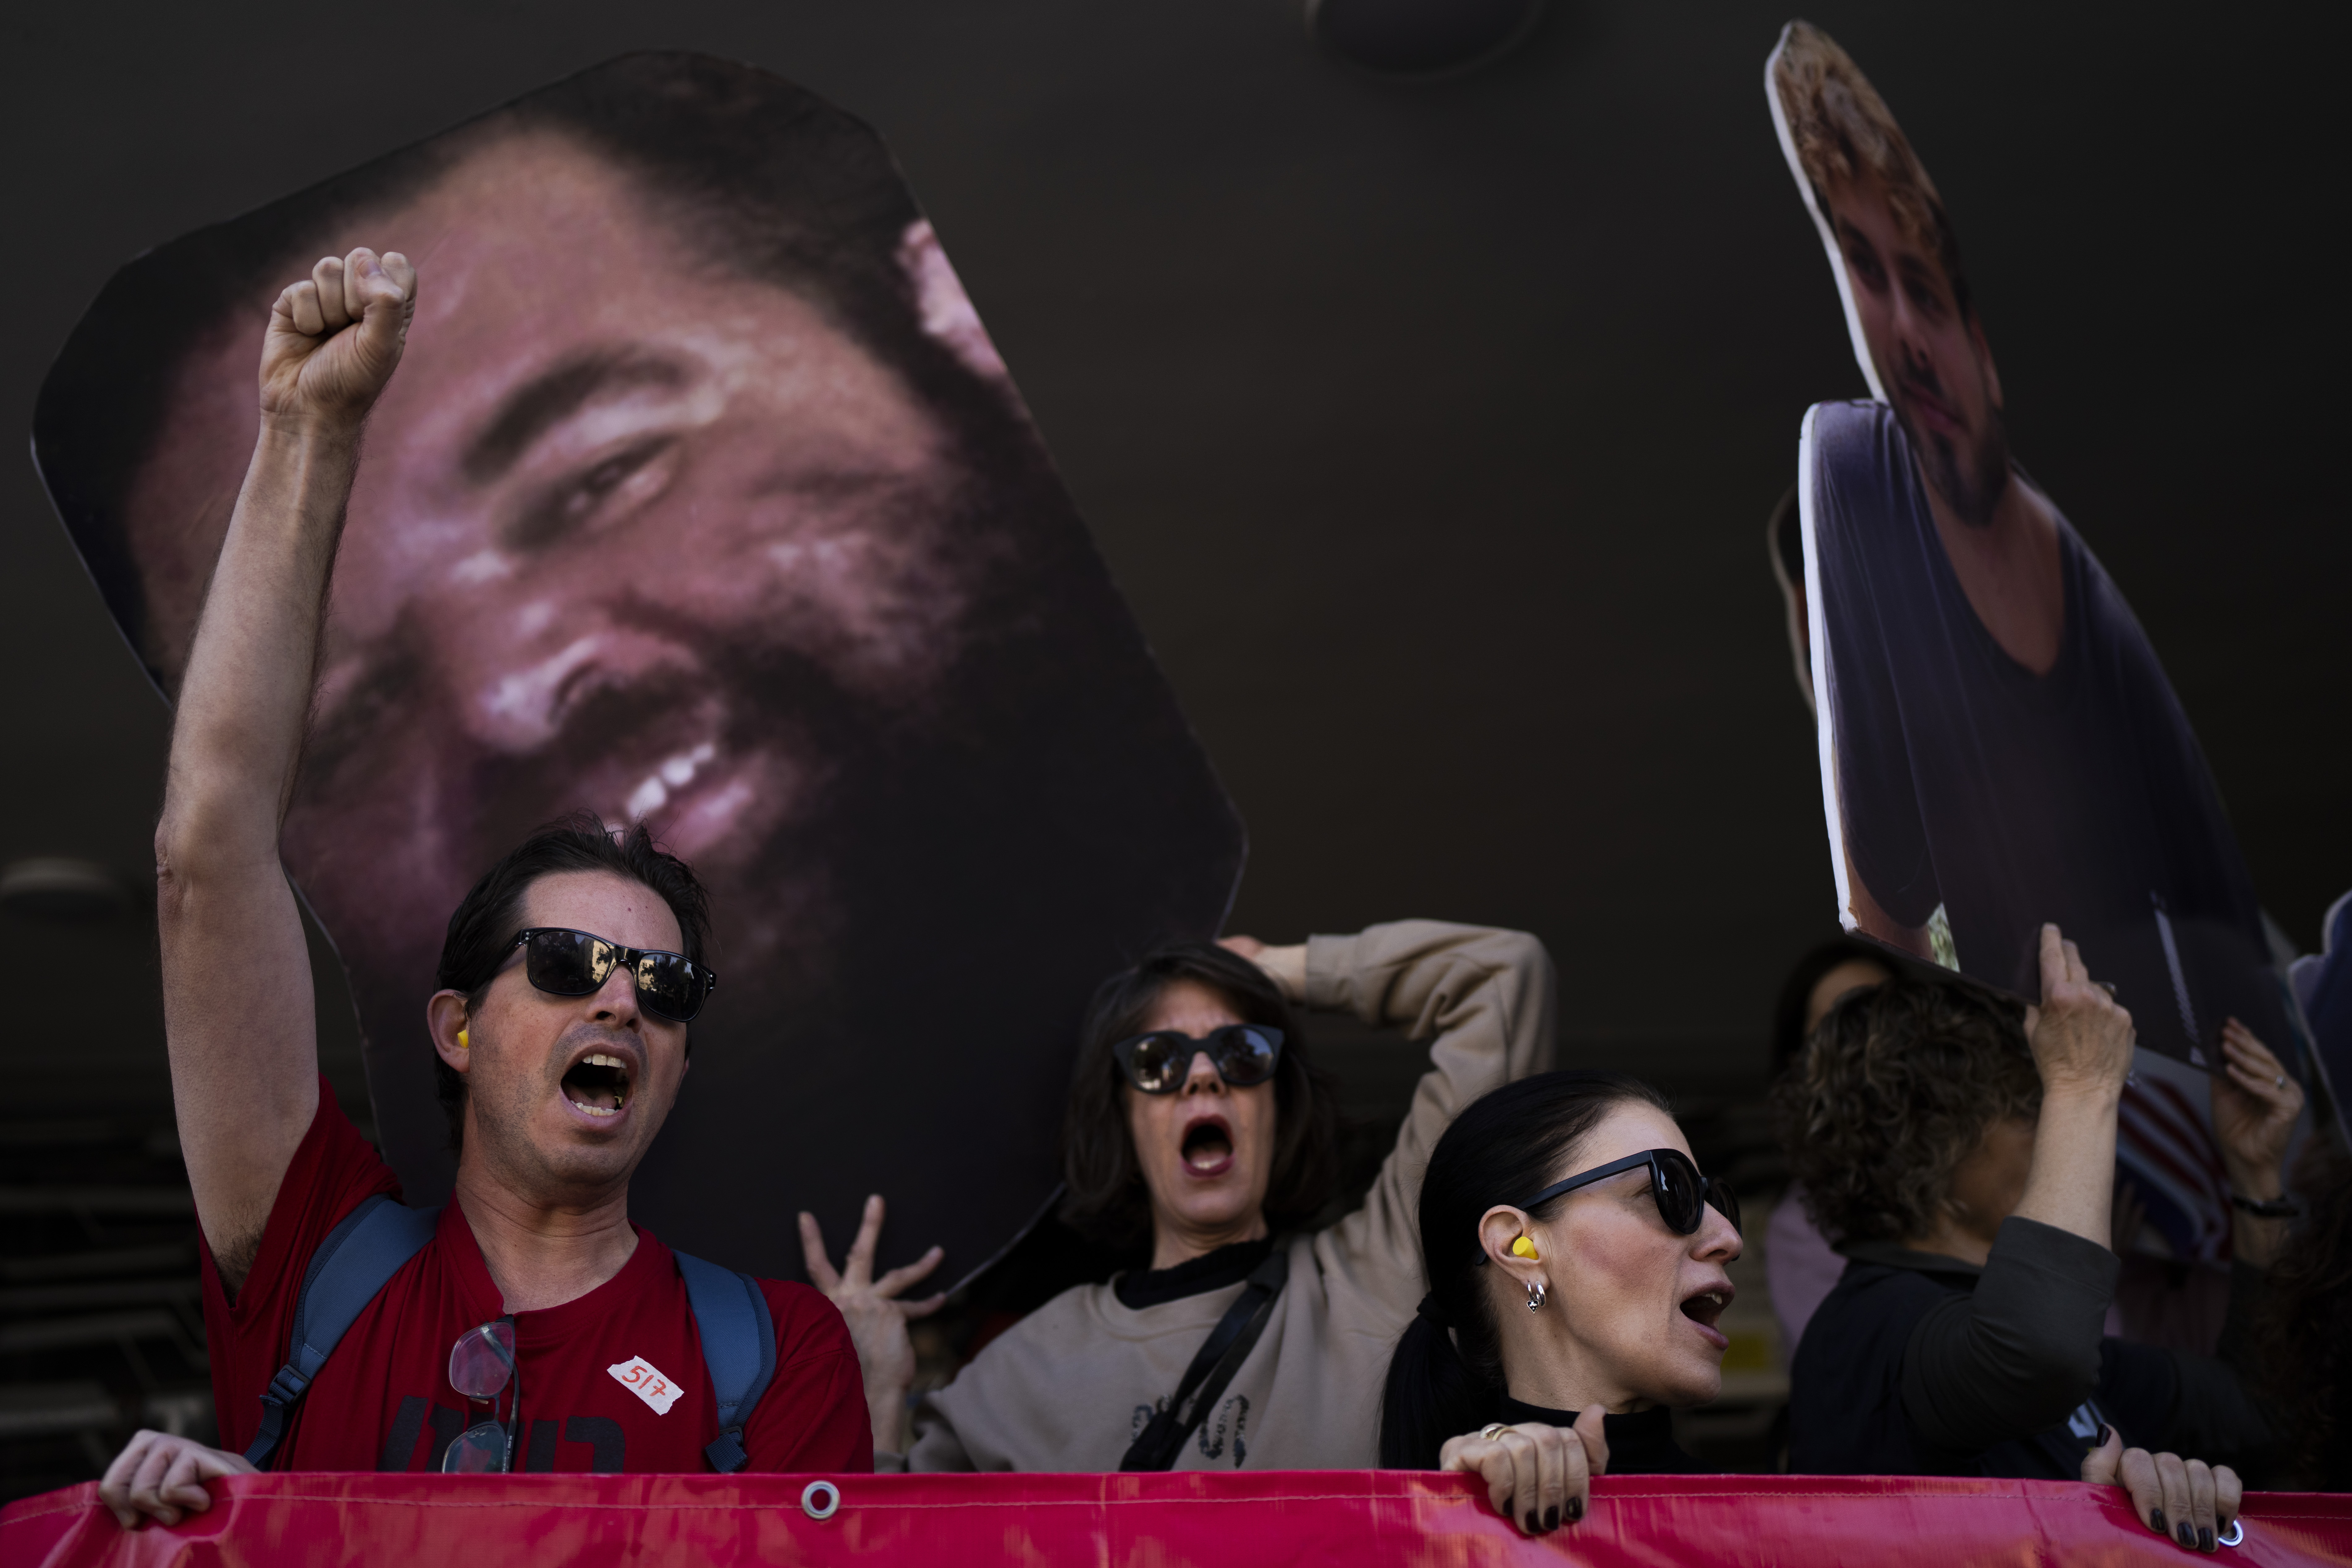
(2156, 1521)
(1575, 1509)
(1551, 1518)
(2185, 1535)
(2205, 1539)
(1531, 1523)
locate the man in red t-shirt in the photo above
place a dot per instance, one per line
(559, 1053)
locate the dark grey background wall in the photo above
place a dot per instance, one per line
(1430, 429)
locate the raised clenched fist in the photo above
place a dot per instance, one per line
(335, 337)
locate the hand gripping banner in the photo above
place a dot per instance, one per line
(1348, 1519)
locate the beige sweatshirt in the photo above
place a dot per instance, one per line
(1072, 1384)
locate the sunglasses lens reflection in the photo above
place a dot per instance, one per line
(1678, 1193)
(477, 1451)
(1247, 1058)
(482, 1359)
(574, 964)
(561, 963)
(1158, 1063)
(670, 985)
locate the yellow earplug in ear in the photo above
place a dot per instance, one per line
(466, 1045)
(1524, 1249)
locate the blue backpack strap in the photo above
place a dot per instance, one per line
(738, 1347)
(358, 1258)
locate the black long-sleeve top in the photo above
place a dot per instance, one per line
(1639, 1445)
(1921, 1364)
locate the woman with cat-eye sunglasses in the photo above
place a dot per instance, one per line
(1201, 1146)
(1578, 1271)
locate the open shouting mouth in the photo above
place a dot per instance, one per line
(1704, 1308)
(1208, 1147)
(598, 1083)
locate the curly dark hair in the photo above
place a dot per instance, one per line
(2304, 1331)
(1895, 1089)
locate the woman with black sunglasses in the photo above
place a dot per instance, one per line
(1576, 1266)
(1199, 1137)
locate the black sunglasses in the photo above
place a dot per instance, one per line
(1680, 1191)
(577, 963)
(1160, 1062)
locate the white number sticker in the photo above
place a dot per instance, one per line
(640, 1377)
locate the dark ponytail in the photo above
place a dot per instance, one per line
(1446, 1377)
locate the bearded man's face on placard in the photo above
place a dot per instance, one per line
(616, 501)
(700, 499)
(1929, 350)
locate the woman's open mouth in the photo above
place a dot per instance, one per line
(598, 1083)
(1208, 1147)
(1704, 1309)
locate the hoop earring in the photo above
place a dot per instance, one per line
(1537, 1291)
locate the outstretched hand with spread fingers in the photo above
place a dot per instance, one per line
(878, 1319)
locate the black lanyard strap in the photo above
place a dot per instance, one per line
(1221, 1355)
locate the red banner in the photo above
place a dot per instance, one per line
(1354, 1519)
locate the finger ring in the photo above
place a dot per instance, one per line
(2106, 985)
(2281, 1082)
(1493, 1429)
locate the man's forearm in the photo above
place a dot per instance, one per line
(2071, 1186)
(239, 1011)
(247, 694)
(238, 999)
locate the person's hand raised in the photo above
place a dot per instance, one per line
(335, 337)
(1538, 1478)
(876, 1318)
(2082, 1040)
(162, 1478)
(1286, 967)
(2255, 1107)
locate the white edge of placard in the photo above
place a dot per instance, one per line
(1829, 244)
(1817, 655)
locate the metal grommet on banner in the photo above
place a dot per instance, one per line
(2235, 1534)
(819, 1498)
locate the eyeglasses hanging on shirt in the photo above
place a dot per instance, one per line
(481, 1367)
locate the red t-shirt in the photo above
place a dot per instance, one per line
(383, 1401)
